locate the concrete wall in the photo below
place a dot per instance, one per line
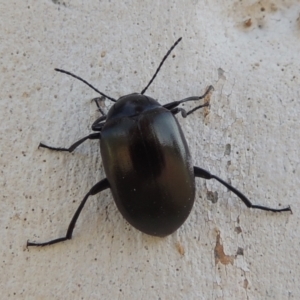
(249, 51)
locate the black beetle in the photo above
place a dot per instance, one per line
(147, 162)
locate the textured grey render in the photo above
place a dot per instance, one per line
(249, 51)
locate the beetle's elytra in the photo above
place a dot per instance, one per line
(147, 162)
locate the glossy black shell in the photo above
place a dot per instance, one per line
(148, 165)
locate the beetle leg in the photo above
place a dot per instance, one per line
(98, 124)
(93, 136)
(185, 113)
(198, 172)
(97, 188)
(97, 100)
(174, 104)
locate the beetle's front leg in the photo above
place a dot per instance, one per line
(97, 100)
(173, 106)
(185, 113)
(93, 136)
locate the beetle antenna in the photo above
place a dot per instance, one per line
(160, 65)
(84, 81)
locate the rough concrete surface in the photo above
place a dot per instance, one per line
(250, 136)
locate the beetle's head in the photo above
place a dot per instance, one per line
(131, 105)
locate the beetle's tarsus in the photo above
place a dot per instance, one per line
(30, 244)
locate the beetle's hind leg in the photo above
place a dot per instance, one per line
(93, 136)
(97, 188)
(198, 172)
(173, 106)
